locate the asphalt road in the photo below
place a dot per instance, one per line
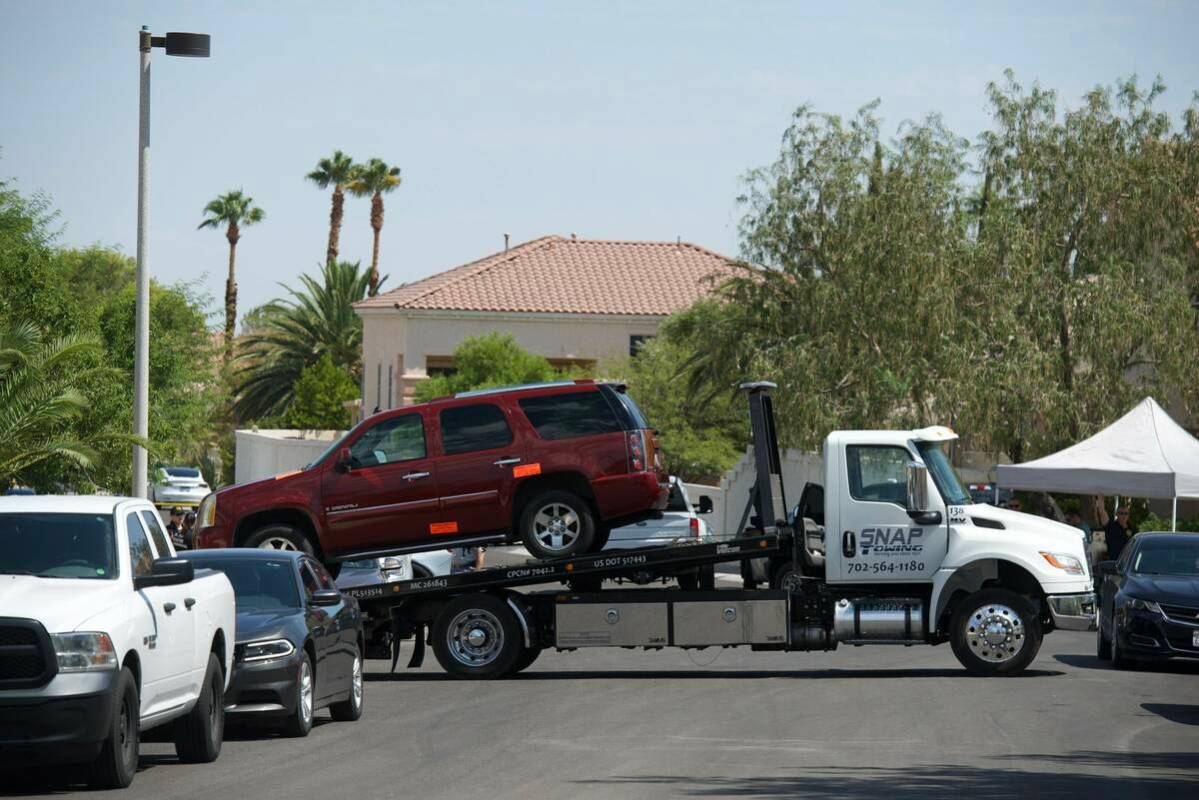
(870, 722)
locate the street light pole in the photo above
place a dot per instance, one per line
(175, 44)
(141, 337)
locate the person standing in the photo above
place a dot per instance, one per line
(1117, 533)
(175, 528)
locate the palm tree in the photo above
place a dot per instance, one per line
(287, 335)
(337, 172)
(234, 210)
(374, 179)
(41, 399)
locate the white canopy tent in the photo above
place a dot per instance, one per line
(1145, 453)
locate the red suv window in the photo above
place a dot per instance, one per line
(465, 429)
(564, 416)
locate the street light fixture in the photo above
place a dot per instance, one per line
(195, 45)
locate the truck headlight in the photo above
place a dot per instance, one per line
(1064, 562)
(84, 652)
(266, 650)
(1137, 604)
(206, 512)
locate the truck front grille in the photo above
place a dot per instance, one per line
(26, 657)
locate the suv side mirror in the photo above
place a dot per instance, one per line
(1108, 568)
(705, 505)
(325, 597)
(343, 460)
(166, 572)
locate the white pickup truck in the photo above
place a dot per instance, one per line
(103, 634)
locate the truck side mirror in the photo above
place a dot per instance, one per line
(343, 460)
(705, 505)
(917, 500)
(166, 572)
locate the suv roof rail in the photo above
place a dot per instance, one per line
(520, 386)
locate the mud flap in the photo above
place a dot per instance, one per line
(418, 649)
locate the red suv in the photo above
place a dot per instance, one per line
(555, 466)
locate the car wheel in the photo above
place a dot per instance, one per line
(300, 722)
(476, 636)
(1118, 659)
(350, 709)
(995, 632)
(116, 765)
(1103, 646)
(280, 537)
(198, 736)
(555, 524)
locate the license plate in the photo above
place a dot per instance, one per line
(1194, 638)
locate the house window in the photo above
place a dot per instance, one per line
(635, 342)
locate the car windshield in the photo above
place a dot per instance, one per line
(944, 475)
(52, 545)
(183, 472)
(1168, 557)
(258, 584)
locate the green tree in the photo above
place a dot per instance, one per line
(287, 335)
(480, 362)
(42, 400)
(374, 179)
(337, 171)
(320, 394)
(32, 289)
(234, 210)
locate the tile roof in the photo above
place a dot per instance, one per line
(555, 274)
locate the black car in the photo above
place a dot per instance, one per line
(299, 640)
(1149, 601)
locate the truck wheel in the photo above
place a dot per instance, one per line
(555, 524)
(299, 723)
(350, 709)
(198, 736)
(527, 656)
(1103, 646)
(995, 632)
(280, 537)
(786, 576)
(116, 765)
(476, 636)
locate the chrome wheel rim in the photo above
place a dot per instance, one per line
(357, 689)
(277, 543)
(475, 637)
(556, 526)
(305, 692)
(995, 633)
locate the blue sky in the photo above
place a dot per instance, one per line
(613, 120)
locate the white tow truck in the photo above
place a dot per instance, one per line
(104, 634)
(888, 549)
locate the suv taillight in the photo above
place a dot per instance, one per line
(636, 450)
(695, 527)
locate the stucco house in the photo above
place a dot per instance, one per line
(574, 301)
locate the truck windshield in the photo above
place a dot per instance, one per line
(944, 475)
(52, 545)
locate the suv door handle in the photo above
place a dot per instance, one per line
(415, 476)
(503, 462)
(189, 602)
(168, 607)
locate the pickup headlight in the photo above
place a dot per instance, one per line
(206, 512)
(84, 652)
(1137, 604)
(266, 650)
(1064, 562)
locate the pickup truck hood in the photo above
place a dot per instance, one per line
(1050, 534)
(60, 604)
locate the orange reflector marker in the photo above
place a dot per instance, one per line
(570, 567)
(395, 589)
(441, 528)
(525, 470)
(283, 475)
(762, 544)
